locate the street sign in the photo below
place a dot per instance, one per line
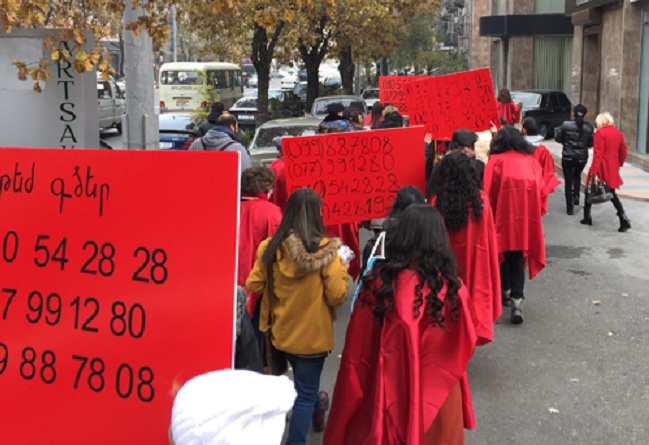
(117, 282)
(357, 174)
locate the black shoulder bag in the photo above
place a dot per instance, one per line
(274, 359)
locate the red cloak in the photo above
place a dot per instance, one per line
(514, 184)
(509, 112)
(476, 251)
(348, 233)
(394, 377)
(259, 220)
(609, 154)
(280, 195)
(550, 181)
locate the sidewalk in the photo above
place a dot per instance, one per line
(636, 180)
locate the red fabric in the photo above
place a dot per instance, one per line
(550, 181)
(476, 251)
(280, 195)
(259, 220)
(509, 111)
(394, 377)
(348, 233)
(609, 154)
(514, 184)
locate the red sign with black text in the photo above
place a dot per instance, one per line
(357, 174)
(446, 103)
(391, 90)
(117, 281)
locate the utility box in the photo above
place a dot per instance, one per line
(64, 115)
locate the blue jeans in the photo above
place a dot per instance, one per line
(306, 377)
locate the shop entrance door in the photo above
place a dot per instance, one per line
(590, 74)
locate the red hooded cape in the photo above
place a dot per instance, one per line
(348, 233)
(509, 112)
(550, 181)
(476, 251)
(280, 195)
(514, 184)
(394, 377)
(259, 220)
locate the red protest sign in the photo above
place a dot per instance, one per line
(117, 278)
(357, 174)
(460, 100)
(391, 90)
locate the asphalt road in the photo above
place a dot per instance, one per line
(576, 371)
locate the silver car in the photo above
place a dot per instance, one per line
(319, 107)
(263, 152)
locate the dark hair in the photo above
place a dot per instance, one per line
(504, 96)
(217, 107)
(463, 138)
(301, 217)
(579, 112)
(377, 114)
(226, 120)
(420, 238)
(509, 138)
(406, 196)
(393, 120)
(458, 191)
(354, 116)
(346, 114)
(255, 180)
(530, 126)
(324, 129)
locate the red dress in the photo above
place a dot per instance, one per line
(509, 112)
(514, 184)
(259, 219)
(609, 154)
(395, 377)
(280, 195)
(550, 181)
(348, 233)
(476, 251)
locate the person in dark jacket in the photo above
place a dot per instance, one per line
(223, 137)
(216, 111)
(392, 120)
(335, 121)
(577, 137)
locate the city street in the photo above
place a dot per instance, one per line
(575, 371)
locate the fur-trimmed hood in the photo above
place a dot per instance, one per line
(301, 262)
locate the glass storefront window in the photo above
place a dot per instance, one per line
(550, 6)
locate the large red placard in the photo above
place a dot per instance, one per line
(391, 90)
(446, 103)
(117, 279)
(357, 174)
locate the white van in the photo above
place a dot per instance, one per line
(180, 84)
(111, 104)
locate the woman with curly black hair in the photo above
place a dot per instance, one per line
(402, 377)
(467, 215)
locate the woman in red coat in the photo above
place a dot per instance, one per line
(513, 180)
(470, 225)
(508, 111)
(402, 378)
(609, 154)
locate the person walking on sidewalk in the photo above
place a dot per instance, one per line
(609, 155)
(309, 282)
(513, 180)
(550, 182)
(577, 137)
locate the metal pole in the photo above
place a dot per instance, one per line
(174, 33)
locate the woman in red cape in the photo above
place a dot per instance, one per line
(471, 231)
(402, 378)
(508, 111)
(513, 180)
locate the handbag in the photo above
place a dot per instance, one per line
(598, 192)
(380, 242)
(274, 360)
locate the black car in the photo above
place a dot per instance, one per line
(548, 108)
(281, 104)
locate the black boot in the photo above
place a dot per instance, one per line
(587, 220)
(575, 199)
(570, 209)
(625, 223)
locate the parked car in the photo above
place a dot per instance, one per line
(246, 108)
(319, 108)
(177, 131)
(332, 83)
(302, 75)
(548, 108)
(289, 81)
(370, 95)
(111, 104)
(263, 152)
(253, 81)
(300, 91)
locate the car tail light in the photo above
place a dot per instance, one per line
(204, 104)
(187, 143)
(162, 104)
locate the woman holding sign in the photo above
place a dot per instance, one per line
(303, 281)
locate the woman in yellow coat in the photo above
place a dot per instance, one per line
(309, 281)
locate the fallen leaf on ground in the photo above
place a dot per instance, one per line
(625, 295)
(339, 356)
(553, 411)
(597, 302)
(611, 334)
(574, 380)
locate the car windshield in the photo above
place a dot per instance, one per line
(246, 102)
(320, 106)
(176, 122)
(530, 100)
(371, 94)
(266, 135)
(272, 94)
